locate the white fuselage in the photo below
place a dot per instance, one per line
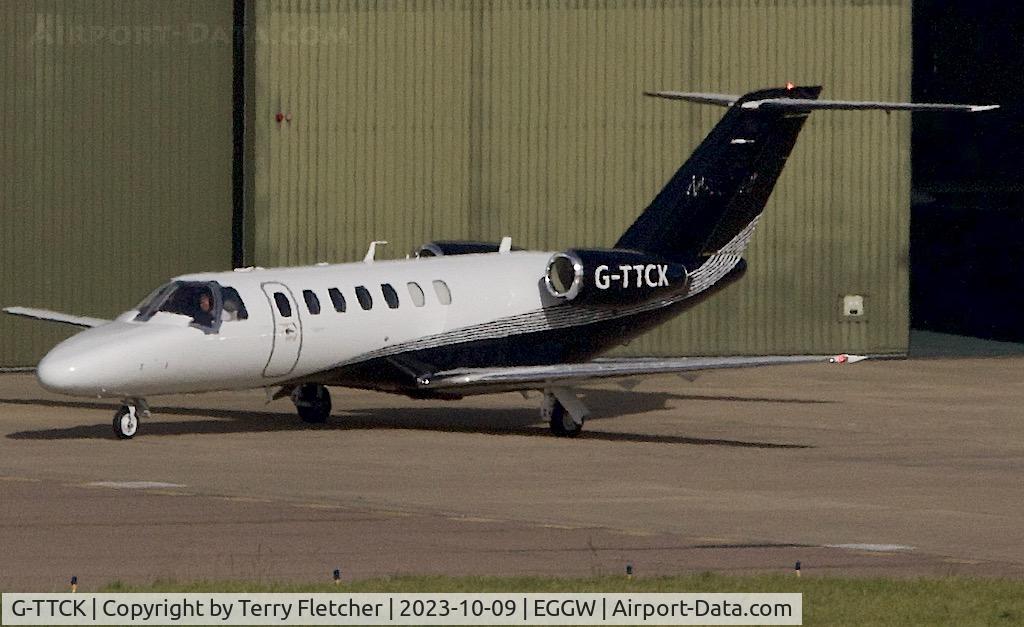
(167, 354)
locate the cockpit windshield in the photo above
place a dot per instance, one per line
(206, 304)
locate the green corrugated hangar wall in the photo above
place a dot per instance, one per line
(115, 155)
(409, 121)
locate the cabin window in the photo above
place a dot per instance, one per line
(283, 306)
(234, 308)
(390, 295)
(444, 295)
(337, 299)
(364, 298)
(312, 302)
(416, 294)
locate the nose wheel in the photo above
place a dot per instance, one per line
(313, 402)
(126, 419)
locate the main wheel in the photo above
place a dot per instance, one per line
(313, 402)
(126, 422)
(559, 420)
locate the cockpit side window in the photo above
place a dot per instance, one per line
(234, 308)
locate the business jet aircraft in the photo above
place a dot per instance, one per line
(461, 317)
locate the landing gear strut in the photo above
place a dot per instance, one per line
(313, 402)
(126, 419)
(563, 412)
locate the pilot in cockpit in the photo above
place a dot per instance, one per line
(204, 316)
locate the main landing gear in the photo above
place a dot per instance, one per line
(313, 402)
(563, 412)
(126, 419)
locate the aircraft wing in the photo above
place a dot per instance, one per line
(55, 316)
(532, 377)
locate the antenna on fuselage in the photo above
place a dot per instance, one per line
(372, 250)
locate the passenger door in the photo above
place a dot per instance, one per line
(286, 345)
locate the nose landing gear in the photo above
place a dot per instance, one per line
(126, 419)
(313, 402)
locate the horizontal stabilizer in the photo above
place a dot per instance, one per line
(55, 316)
(805, 104)
(722, 100)
(799, 104)
(528, 377)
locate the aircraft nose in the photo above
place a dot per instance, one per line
(94, 362)
(73, 370)
(60, 371)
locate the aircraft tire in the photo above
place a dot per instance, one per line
(126, 422)
(313, 403)
(559, 420)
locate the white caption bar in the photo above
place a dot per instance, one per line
(402, 609)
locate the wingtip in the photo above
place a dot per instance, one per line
(846, 358)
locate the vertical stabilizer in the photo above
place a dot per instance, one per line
(723, 187)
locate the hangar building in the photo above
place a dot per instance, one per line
(145, 140)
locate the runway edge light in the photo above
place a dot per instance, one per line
(629, 570)
(74, 583)
(337, 576)
(796, 568)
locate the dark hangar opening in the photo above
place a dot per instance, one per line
(967, 214)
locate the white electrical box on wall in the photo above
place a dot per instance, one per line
(853, 306)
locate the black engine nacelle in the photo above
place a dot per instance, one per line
(613, 278)
(458, 247)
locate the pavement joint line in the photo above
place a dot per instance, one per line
(19, 479)
(134, 485)
(637, 533)
(261, 500)
(474, 519)
(871, 548)
(243, 499)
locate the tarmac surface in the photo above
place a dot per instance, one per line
(894, 468)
